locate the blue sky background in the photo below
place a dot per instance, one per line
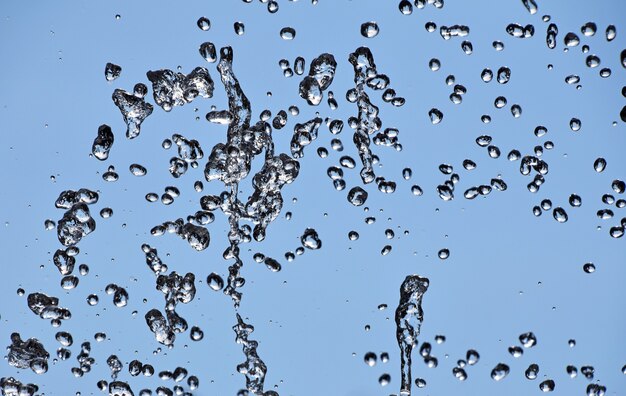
(508, 272)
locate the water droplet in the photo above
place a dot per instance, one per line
(504, 75)
(571, 40)
(112, 71)
(472, 357)
(500, 371)
(204, 23)
(532, 372)
(138, 170)
(435, 116)
(459, 373)
(599, 164)
(592, 61)
(547, 385)
(239, 28)
(310, 239)
(369, 29)
(208, 52)
(516, 351)
(611, 33)
(589, 29)
(434, 64)
(370, 359)
(288, 33)
(405, 7)
(384, 379)
(214, 281)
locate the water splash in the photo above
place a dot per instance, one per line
(176, 89)
(253, 368)
(409, 317)
(134, 109)
(28, 354)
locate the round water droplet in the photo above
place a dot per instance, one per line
(599, 164)
(138, 170)
(436, 116)
(214, 281)
(434, 64)
(532, 372)
(559, 214)
(239, 28)
(516, 351)
(571, 39)
(592, 61)
(208, 52)
(416, 190)
(357, 196)
(204, 23)
(288, 33)
(528, 340)
(611, 32)
(370, 359)
(619, 186)
(575, 200)
(384, 379)
(589, 29)
(405, 7)
(547, 385)
(500, 371)
(472, 357)
(369, 29)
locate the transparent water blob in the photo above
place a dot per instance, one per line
(532, 371)
(436, 116)
(239, 28)
(547, 385)
(369, 29)
(500, 371)
(370, 359)
(589, 268)
(287, 33)
(204, 23)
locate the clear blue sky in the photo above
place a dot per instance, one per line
(508, 271)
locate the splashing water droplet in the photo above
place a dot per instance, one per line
(409, 316)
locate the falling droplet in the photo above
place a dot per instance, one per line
(288, 33)
(369, 29)
(500, 371)
(310, 239)
(204, 23)
(357, 196)
(547, 385)
(435, 116)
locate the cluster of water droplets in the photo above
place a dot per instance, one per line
(231, 162)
